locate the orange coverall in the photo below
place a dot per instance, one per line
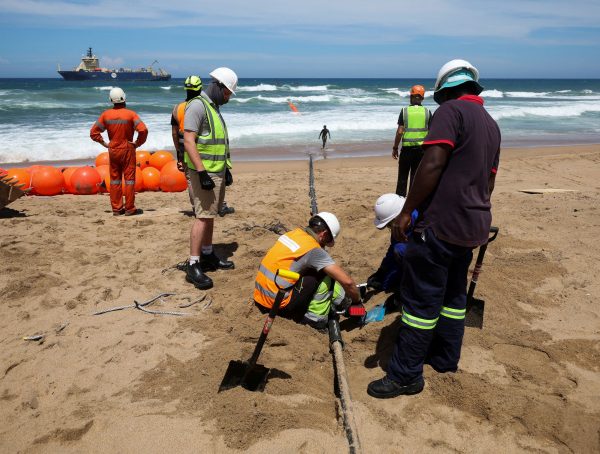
(120, 123)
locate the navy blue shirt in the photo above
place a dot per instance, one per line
(459, 209)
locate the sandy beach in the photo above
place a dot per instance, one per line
(129, 381)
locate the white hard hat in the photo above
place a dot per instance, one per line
(387, 207)
(455, 73)
(116, 95)
(332, 223)
(227, 77)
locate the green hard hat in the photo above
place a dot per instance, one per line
(193, 83)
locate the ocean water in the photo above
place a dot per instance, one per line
(49, 119)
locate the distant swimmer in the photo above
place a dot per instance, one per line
(120, 123)
(323, 135)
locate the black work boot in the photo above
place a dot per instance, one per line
(195, 276)
(385, 387)
(211, 262)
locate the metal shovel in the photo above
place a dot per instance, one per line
(475, 307)
(248, 374)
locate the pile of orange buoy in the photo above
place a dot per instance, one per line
(154, 172)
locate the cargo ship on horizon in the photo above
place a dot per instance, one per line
(89, 69)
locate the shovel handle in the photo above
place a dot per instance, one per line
(273, 312)
(479, 264)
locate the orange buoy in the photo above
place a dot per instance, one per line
(102, 159)
(47, 180)
(67, 173)
(20, 176)
(139, 180)
(170, 166)
(85, 180)
(159, 158)
(171, 179)
(151, 178)
(142, 159)
(104, 172)
(293, 107)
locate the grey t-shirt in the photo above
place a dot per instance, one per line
(315, 259)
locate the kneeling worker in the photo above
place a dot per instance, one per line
(322, 282)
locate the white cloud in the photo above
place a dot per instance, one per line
(509, 18)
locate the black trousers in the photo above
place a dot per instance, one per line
(434, 298)
(408, 161)
(302, 295)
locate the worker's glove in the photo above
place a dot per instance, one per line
(206, 181)
(228, 178)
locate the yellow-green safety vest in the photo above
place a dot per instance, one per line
(416, 121)
(213, 147)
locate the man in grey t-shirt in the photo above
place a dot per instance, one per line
(206, 145)
(323, 284)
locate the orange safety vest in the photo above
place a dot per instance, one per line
(181, 114)
(288, 248)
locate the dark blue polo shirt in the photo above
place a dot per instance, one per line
(458, 210)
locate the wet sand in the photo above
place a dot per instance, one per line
(130, 381)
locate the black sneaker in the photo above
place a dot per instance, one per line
(211, 262)
(195, 276)
(385, 387)
(226, 210)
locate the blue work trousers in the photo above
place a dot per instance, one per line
(434, 283)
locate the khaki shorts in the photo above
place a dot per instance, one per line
(207, 203)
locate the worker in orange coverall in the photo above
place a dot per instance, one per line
(120, 123)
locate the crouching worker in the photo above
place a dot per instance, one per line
(323, 284)
(389, 274)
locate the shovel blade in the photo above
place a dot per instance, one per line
(241, 373)
(474, 314)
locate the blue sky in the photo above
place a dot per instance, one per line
(307, 38)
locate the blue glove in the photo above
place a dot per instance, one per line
(374, 315)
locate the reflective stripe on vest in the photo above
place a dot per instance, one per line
(213, 148)
(415, 119)
(318, 308)
(117, 122)
(100, 126)
(286, 250)
(419, 323)
(457, 314)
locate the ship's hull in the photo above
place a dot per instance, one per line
(113, 76)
